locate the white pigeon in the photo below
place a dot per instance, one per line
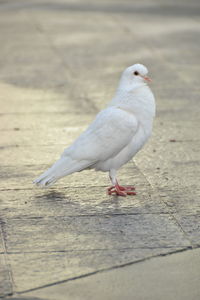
(114, 137)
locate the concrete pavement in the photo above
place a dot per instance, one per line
(174, 276)
(60, 64)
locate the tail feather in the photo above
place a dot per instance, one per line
(63, 167)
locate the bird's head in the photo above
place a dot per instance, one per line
(135, 75)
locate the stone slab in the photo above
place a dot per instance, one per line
(33, 270)
(95, 232)
(175, 276)
(5, 271)
(5, 277)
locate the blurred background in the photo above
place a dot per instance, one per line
(81, 47)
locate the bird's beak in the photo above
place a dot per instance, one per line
(147, 78)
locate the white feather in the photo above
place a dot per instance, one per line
(115, 136)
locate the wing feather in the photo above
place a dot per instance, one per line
(106, 136)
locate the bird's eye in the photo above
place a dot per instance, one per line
(136, 73)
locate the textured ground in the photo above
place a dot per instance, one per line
(60, 62)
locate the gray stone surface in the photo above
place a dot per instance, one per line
(173, 277)
(5, 280)
(59, 65)
(25, 298)
(5, 272)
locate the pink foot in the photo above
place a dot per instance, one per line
(126, 188)
(121, 190)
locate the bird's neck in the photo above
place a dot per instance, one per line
(127, 85)
(137, 98)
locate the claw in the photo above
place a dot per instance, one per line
(126, 188)
(121, 190)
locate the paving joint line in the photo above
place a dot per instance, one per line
(103, 270)
(95, 250)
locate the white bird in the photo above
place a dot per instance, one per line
(114, 137)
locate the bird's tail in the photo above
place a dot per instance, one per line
(63, 167)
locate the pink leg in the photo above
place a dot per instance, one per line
(121, 190)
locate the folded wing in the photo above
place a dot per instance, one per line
(106, 136)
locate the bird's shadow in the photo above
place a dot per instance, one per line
(63, 200)
(51, 196)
